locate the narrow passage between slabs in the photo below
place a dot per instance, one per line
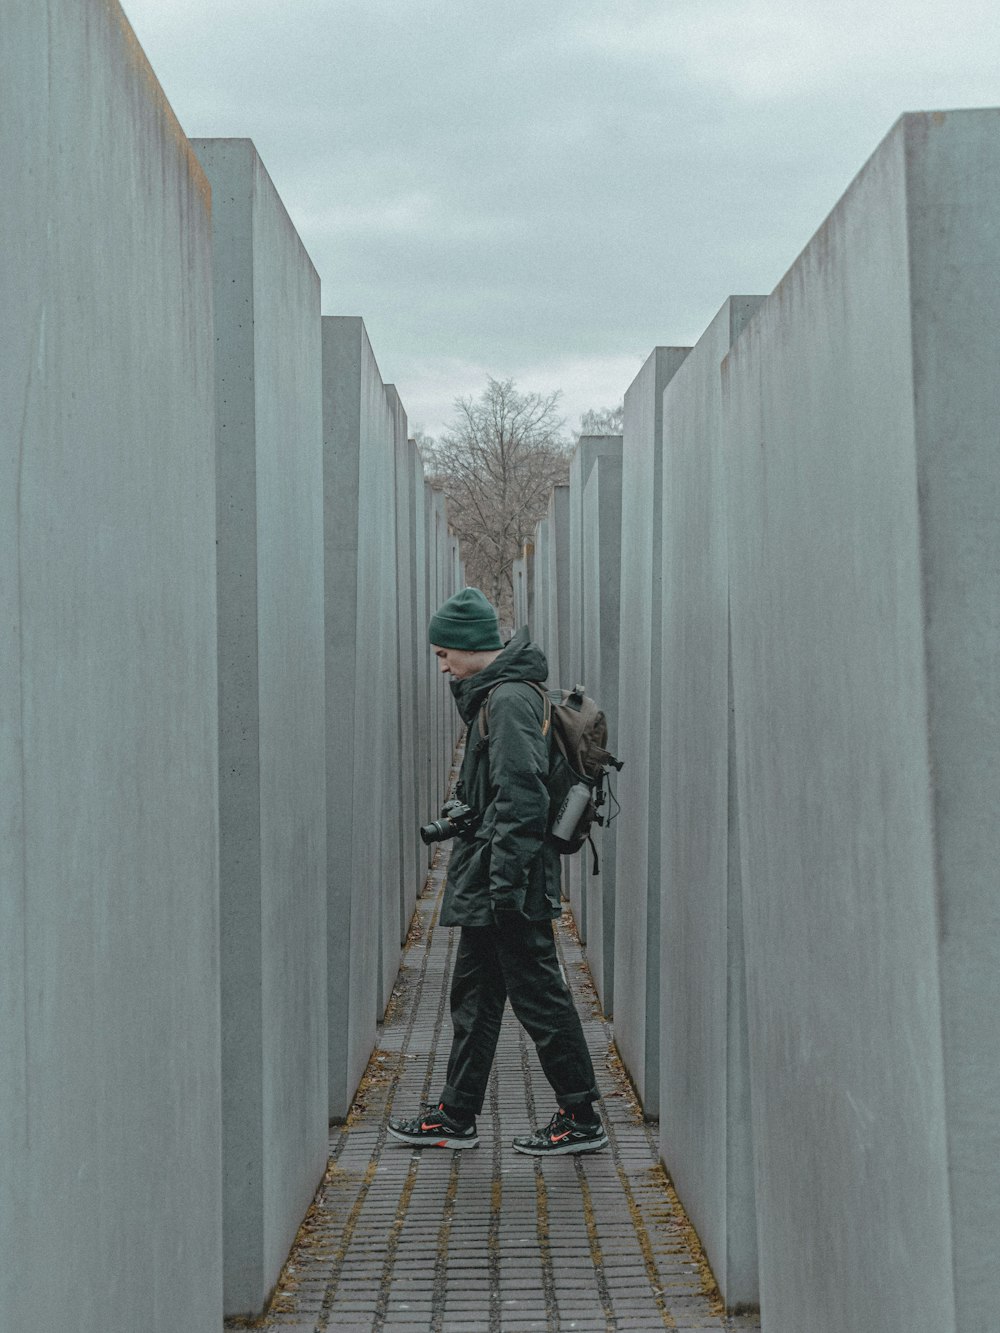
(486, 1240)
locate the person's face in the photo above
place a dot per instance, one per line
(458, 662)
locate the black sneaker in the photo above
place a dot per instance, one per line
(434, 1128)
(563, 1134)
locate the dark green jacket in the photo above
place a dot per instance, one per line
(508, 866)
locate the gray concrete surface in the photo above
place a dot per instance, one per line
(109, 965)
(588, 448)
(519, 579)
(372, 751)
(861, 409)
(601, 519)
(421, 654)
(529, 582)
(556, 620)
(539, 622)
(704, 1073)
(637, 874)
(413, 656)
(556, 583)
(406, 675)
(448, 577)
(431, 603)
(435, 597)
(272, 765)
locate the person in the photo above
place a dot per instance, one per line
(503, 890)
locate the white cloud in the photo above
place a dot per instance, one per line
(410, 214)
(772, 49)
(428, 387)
(548, 191)
(585, 381)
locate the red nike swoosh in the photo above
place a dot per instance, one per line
(554, 1138)
(425, 1125)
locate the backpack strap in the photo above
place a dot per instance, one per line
(484, 730)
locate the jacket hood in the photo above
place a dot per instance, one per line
(520, 660)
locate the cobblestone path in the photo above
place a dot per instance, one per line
(487, 1240)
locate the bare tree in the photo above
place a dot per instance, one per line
(601, 421)
(497, 465)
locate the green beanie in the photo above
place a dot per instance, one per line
(466, 621)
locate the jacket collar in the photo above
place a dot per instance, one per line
(520, 660)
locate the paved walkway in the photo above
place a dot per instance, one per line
(487, 1240)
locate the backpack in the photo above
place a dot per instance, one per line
(578, 765)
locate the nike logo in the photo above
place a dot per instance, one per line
(425, 1125)
(554, 1138)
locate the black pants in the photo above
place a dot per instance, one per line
(516, 960)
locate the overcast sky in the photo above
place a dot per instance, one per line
(547, 190)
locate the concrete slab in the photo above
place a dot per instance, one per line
(557, 587)
(442, 583)
(861, 407)
(517, 594)
(436, 699)
(414, 661)
(705, 1135)
(529, 583)
(406, 818)
(109, 927)
(637, 899)
(589, 447)
(362, 675)
(421, 654)
(272, 761)
(540, 615)
(601, 518)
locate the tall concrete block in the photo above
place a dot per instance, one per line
(456, 580)
(430, 594)
(601, 521)
(540, 622)
(363, 732)
(406, 665)
(272, 761)
(435, 701)
(518, 598)
(521, 578)
(861, 419)
(637, 884)
(433, 602)
(381, 511)
(433, 696)
(705, 1137)
(440, 584)
(557, 585)
(529, 584)
(589, 447)
(109, 971)
(352, 944)
(413, 665)
(445, 710)
(420, 646)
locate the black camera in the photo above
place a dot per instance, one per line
(457, 821)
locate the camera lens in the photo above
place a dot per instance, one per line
(435, 832)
